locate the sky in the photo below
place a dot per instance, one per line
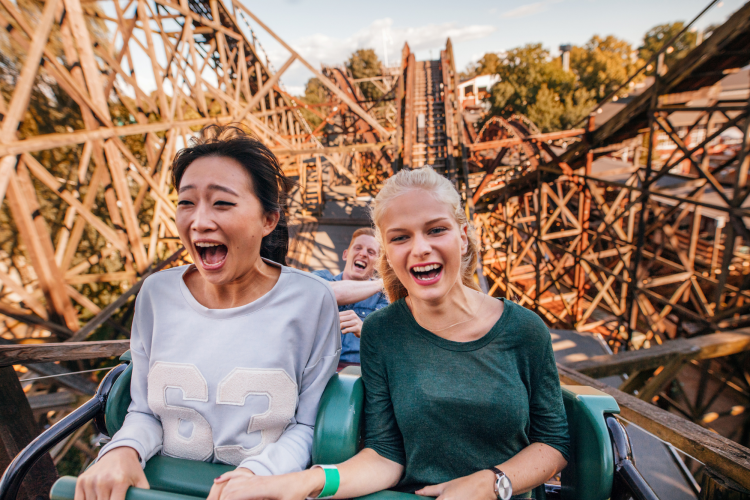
(327, 31)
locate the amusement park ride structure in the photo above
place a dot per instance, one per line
(593, 228)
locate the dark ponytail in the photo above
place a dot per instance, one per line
(269, 182)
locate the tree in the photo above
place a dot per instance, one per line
(364, 63)
(576, 106)
(656, 37)
(534, 84)
(546, 110)
(528, 74)
(603, 64)
(315, 93)
(489, 64)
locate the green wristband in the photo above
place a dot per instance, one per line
(332, 481)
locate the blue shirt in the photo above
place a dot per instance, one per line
(349, 341)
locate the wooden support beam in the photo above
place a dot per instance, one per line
(52, 141)
(328, 83)
(504, 143)
(51, 401)
(35, 235)
(120, 183)
(7, 168)
(107, 312)
(17, 428)
(409, 114)
(331, 150)
(319, 173)
(49, 180)
(93, 75)
(25, 83)
(33, 320)
(267, 87)
(76, 383)
(714, 345)
(200, 19)
(723, 454)
(65, 351)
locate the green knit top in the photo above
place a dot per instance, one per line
(447, 409)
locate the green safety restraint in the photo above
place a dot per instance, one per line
(337, 435)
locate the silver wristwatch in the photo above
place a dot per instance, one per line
(503, 488)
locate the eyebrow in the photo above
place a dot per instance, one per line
(438, 219)
(214, 187)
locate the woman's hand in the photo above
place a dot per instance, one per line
(242, 484)
(111, 476)
(478, 486)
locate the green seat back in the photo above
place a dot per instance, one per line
(591, 468)
(118, 399)
(338, 426)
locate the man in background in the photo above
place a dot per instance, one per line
(360, 258)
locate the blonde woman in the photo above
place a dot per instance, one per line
(463, 399)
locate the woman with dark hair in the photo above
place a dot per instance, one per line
(230, 354)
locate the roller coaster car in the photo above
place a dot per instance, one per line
(600, 467)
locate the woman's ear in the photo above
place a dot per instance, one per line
(464, 239)
(269, 222)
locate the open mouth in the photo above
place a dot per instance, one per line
(212, 254)
(360, 264)
(427, 274)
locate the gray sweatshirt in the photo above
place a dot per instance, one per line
(239, 386)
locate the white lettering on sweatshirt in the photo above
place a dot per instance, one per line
(238, 386)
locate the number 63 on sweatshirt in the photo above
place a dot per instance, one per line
(239, 386)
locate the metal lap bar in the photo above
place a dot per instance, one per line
(628, 482)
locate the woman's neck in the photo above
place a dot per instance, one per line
(459, 304)
(259, 279)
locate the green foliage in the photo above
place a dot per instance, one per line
(364, 63)
(603, 64)
(315, 93)
(656, 37)
(546, 109)
(488, 64)
(534, 84)
(576, 105)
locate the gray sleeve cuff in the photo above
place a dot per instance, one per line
(130, 443)
(256, 468)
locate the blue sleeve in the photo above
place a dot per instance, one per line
(382, 301)
(324, 273)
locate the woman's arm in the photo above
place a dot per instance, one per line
(121, 461)
(351, 291)
(291, 452)
(531, 467)
(534, 465)
(365, 473)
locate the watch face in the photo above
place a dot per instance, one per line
(503, 489)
